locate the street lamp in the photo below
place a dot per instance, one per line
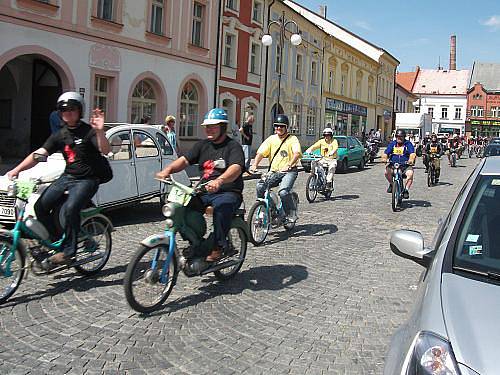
(295, 39)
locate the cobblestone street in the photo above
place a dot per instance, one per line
(324, 300)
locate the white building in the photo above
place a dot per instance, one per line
(443, 94)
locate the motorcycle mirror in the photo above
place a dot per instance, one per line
(40, 157)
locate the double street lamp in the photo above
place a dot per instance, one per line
(295, 39)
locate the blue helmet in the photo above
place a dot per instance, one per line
(215, 116)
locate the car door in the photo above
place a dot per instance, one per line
(168, 156)
(360, 149)
(147, 162)
(123, 186)
(352, 155)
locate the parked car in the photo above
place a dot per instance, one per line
(137, 153)
(493, 149)
(454, 326)
(350, 153)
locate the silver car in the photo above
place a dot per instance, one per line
(455, 326)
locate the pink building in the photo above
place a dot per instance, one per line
(132, 58)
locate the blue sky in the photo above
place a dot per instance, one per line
(418, 32)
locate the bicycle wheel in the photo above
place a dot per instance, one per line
(311, 188)
(290, 225)
(454, 160)
(259, 223)
(238, 240)
(146, 288)
(9, 281)
(429, 176)
(94, 246)
(395, 195)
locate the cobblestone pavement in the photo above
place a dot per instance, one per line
(325, 300)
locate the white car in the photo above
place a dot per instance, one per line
(137, 153)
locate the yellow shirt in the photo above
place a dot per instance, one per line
(327, 150)
(269, 147)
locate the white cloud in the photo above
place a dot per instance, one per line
(363, 25)
(493, 23)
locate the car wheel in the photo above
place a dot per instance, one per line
(361, 164)
(344, 166)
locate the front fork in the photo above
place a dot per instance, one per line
(164, 276)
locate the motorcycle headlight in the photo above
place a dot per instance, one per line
(12, 190)
(167, 210)
(432, 355)
(169, 223)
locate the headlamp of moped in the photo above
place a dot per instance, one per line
(168, 210)
(169, 223)
(12, 190)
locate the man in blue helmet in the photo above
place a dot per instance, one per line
(221, 162)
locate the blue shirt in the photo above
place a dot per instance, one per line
(399, 154)
(55, 122)
(172, 139)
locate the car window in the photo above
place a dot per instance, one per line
(478, 241)
(492, 150)
(144, 145)
(120, 146)
(166, 148)
(358, 143)
(342, 142)
(350, 141)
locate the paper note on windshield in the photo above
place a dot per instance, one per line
(472, 238)
(495, 182)
(475, 250)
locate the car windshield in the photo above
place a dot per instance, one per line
(478, 242)
(342, 142)
(492, 150)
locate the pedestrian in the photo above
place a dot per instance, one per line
(246, 140)
(146, 120)
(55, 121)
(378, 134)
(169, 130)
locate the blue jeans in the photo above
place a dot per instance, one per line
(80, 192)
(285, 180)
(225, 205)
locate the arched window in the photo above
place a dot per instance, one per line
(189, 110)
(311, 118)
(296, 120)
(143, 103)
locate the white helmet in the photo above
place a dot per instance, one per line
(71, 99)
(328, 131)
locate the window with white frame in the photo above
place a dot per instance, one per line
(370, 94)
(444, 112)
(476, 111)
(230, 50)
(311, 120)
(255, 58)
(458, 113)
(232, 4)
(430, 111)
(343, 83)
(101, 86)
(257, 11)
(495, 112)
(277, 66)
(105, 10)
(157, 10)
(188, 110)
(296, 117)
(331, 80)
(197, 31)
(358, 90)
(314, 73)
(298, 67)
(143, 103)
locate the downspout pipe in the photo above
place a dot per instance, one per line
(217, 55)
(264, 111)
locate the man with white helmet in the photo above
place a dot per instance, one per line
(82, 146)
(328, 147)
(225, 184)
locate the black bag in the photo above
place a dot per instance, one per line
(103, 171)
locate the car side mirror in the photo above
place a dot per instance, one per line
(410, 245)
(39, 157)
(351, 147)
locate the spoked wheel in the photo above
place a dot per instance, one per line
(259, 223)
(311, 188)
(454, 160)
(238, 240)
(290, 225)
(10, 276)
(429, 176)
(149, 279)
(94, 245)
(395, 195)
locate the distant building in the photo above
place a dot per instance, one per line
(404, 99)
(483, 100)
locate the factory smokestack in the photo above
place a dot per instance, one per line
(453, 52)
(322, 11)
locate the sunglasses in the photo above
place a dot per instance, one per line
(279, 126)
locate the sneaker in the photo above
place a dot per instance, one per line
(389, 189)
(406, 194)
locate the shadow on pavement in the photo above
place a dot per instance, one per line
(416, 203)
(346, 197)
(78, 284)
(145, 212)
(300, 230)
(444, 183)
(264, 278)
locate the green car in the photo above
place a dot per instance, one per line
(351, 153)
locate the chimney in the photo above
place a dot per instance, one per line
(453, 52)
(322, 11)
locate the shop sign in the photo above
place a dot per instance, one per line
(485, 122)
(340, 106)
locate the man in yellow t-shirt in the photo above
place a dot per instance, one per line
(283, 161)
(328, 147)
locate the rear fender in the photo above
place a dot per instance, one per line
(98, 216)
(238, 222)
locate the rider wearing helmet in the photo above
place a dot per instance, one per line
(328, 147)
(221, 162)
(434, 150)
(453, 144)
(81, 145)
(400, 151)
(284, 152)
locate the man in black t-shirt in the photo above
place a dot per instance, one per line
(246, 139)
(81, 145)
(221, 163)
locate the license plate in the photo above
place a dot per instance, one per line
(177, 195)
(8, 212)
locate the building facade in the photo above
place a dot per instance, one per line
(483, 101)
(134, 59)
(403, 100)
(240, 70)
